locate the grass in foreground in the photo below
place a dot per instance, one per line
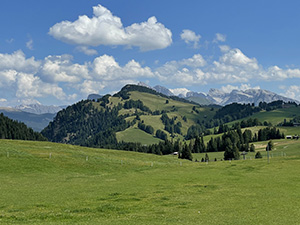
(75, 185)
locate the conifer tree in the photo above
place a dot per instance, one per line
(186, 152)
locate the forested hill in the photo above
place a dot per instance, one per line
(138, 114)
(97, 122)
(11, 129)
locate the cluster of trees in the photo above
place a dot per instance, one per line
(162, 148)
(235, 111)
(196, 130)
(136, 104)
(83, 124)
(147, 128)
(276, 105)
(269, 133)
(161, 135)
(200, 129)
(291, 122)
(170, 124)
(11, 129)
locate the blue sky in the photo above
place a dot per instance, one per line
(58, 52)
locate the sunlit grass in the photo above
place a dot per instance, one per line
(48, 183)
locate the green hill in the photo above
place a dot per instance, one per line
(138, 118)
(112, 118)
(49, 183)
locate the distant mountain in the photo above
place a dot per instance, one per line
(94, 97)
(248, 96)
(163, 90)
(39, 108)
(36, 121)
(199, 98)
(219, 97)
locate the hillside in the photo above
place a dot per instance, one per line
(35, 121)
(138, 116)
(49, 183)
(100, 123)
(12, 129)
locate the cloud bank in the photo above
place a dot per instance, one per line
(57, 76)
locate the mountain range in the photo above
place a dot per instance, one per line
(39, 108)
(219, 97)
(36, 121)
(37, 116)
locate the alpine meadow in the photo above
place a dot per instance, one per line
(149, 112)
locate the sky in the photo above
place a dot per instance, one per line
(58, 52)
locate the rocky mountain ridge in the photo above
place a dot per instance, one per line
(219, 97)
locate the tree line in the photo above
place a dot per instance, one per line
(11, 129)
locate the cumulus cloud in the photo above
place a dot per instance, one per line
(180, 91)
(196, 61)
(7, 77)
(3, 100)
(59, 77)
(219, 38)
(106, 68)
(17, 61)
(86, 50)
(229, 88)
(190, 37)
(30, 86)
(90, 86)
(106, 29)
(232, 67)
(61, 69)
(292, 91)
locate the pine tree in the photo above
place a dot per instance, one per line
(206, 157)
(186, 152)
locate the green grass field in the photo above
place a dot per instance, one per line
(130, 134)
(275, 117)
(48, 183)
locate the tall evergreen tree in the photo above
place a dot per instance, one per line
(186, 152)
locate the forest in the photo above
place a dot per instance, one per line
(11, 129)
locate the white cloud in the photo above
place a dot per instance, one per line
(106, 68)
(190, 37)
(29, 44)
(178, 91)
(224, 48)
(229, 88)
(7, 77)
(90, 87)
(106, 29)
(292, 91)
(196, 61)
(219, 38)
(61, 69)
(3, 100)
(30, 86)
(86, 50)
(17, 61)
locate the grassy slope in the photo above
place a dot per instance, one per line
(134, 134)
(275, 116)
(116, 187)
(159, 103)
